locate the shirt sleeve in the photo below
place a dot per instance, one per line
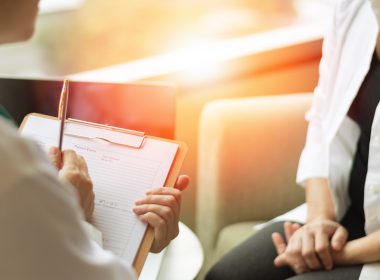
(42, 236)
(41, 223)
(314, 160)
(95, 234)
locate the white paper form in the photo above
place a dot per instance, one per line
(120, 175)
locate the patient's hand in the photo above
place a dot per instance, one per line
(73, 168)
(160, 209)
(311, 246)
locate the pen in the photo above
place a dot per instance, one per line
(62, 110)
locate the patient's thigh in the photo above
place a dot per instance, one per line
(346, 273)
(252, 259)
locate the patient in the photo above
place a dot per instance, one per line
(339, 168)
(43, 210)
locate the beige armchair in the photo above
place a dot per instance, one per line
(248, 156)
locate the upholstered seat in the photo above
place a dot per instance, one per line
(248, 155)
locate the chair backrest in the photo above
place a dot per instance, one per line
(247, 161)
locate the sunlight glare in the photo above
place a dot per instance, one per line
(200, 61)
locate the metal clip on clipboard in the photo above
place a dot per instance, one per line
(113, 135)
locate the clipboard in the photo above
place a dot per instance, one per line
(137, 141)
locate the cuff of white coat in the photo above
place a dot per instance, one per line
(314, 163)
(94, 233)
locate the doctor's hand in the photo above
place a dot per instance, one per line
(309, 247)
(73, 169)
(160, 209)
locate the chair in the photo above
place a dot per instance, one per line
(247, 160)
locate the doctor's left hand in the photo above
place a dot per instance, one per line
(72, 168)
(160, 209)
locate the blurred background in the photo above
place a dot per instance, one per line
(208, 49)
(78, 35)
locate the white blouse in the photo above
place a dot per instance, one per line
(41, 224)
(332, 136)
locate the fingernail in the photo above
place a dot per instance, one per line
(53, 150)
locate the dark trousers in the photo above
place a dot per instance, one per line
(253, 259)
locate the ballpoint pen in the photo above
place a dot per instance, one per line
(62, 110)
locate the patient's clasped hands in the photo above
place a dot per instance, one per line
(160, 208)
(318, 244)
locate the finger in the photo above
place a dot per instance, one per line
(55, 157)
(157, 223)
(295, 262)
(164, 200)
(295, 227)
(89, 206)
(288, 230)
(164, 212)
(322, 247)
(159, 226)
(308, 252)
(279, 243)
(69, 159)
(166, 191)
(339, 238)
(300, 268)
(294, 247)
(182, 182)
(292, 256)
(280, 261)
(83, 165)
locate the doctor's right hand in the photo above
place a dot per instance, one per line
(73, 169)
(310, 246)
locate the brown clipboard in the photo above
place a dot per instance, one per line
(171, 178)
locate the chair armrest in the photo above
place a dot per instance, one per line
(247, 161)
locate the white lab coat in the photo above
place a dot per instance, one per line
(332, 136)
(42, 236)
